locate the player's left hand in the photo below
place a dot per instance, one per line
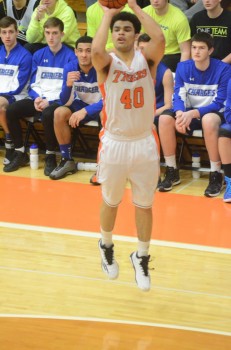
(76, 117)
(180, 129)
(184, 120)
(111, 11)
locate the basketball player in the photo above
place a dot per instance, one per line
(224, 145)
(128, 149)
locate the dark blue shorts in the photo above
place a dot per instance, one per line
(195, 123)
(225, 130)
(11, 99)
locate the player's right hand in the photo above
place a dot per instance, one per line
(72, 77)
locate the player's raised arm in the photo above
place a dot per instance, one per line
(100, 57)
(155, 49)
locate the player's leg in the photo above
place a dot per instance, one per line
(210, 124)
(106, 247)
(224, 145)
(143, 176)
(14, 113)
(167, 133)
(4, 103)
(50, 138)
(63, 134)
(112, 175)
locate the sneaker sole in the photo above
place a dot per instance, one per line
(164, 189)
(71, 172)
(47, 173)
(15, 169)
(95, 183)
(211, 195)
(227, 200)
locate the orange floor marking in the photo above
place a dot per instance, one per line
(177, 218)
(72, 335)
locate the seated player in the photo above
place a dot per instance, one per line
(198, 103)
(45, 86)
(80, 93)
(224, 144)
(15, 69)
(21, 11)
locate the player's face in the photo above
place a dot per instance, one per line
(211, 4)
(123, 35)
(200, 51)
(142, 45)
(9, 36)
(53, 37)
(159, 4)
(83, 52)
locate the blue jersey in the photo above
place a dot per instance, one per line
(202, 90)
(228, 103)
(47, 72)
(15, 71)
(85, 92)
(159, 88)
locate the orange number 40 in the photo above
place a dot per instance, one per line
(137, 100)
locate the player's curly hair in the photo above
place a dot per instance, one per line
(127, 16)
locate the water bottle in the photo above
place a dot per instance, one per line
(87, 166)
(34, 157)
(196, 164)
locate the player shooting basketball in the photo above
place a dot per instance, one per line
(128, 149)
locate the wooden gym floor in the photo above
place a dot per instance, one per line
(53, 294)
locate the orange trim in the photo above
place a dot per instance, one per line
(75, 206)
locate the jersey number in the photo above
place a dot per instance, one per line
(137, 100)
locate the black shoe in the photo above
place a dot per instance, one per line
(65, 167)
(93, 180)
(215, 184)
(159, 182)
(50, 164)
(171, 178)
(9, 155)
(19, 160)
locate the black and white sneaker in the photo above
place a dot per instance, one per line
(108, 263)
(215, 184)
(142, 276)
(19, 160)
(172, 178)
(9, 155)
(65, 167)
(50, 164)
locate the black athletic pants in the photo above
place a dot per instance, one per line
(25, 108)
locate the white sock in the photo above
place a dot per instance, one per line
(21, 149)
(50, 152)
(106, 238)
(9, 144)
(171, 161)
(215, 166)
(143, 248)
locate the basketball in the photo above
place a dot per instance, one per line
(113, 4)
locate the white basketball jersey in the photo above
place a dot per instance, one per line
(128, 95)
